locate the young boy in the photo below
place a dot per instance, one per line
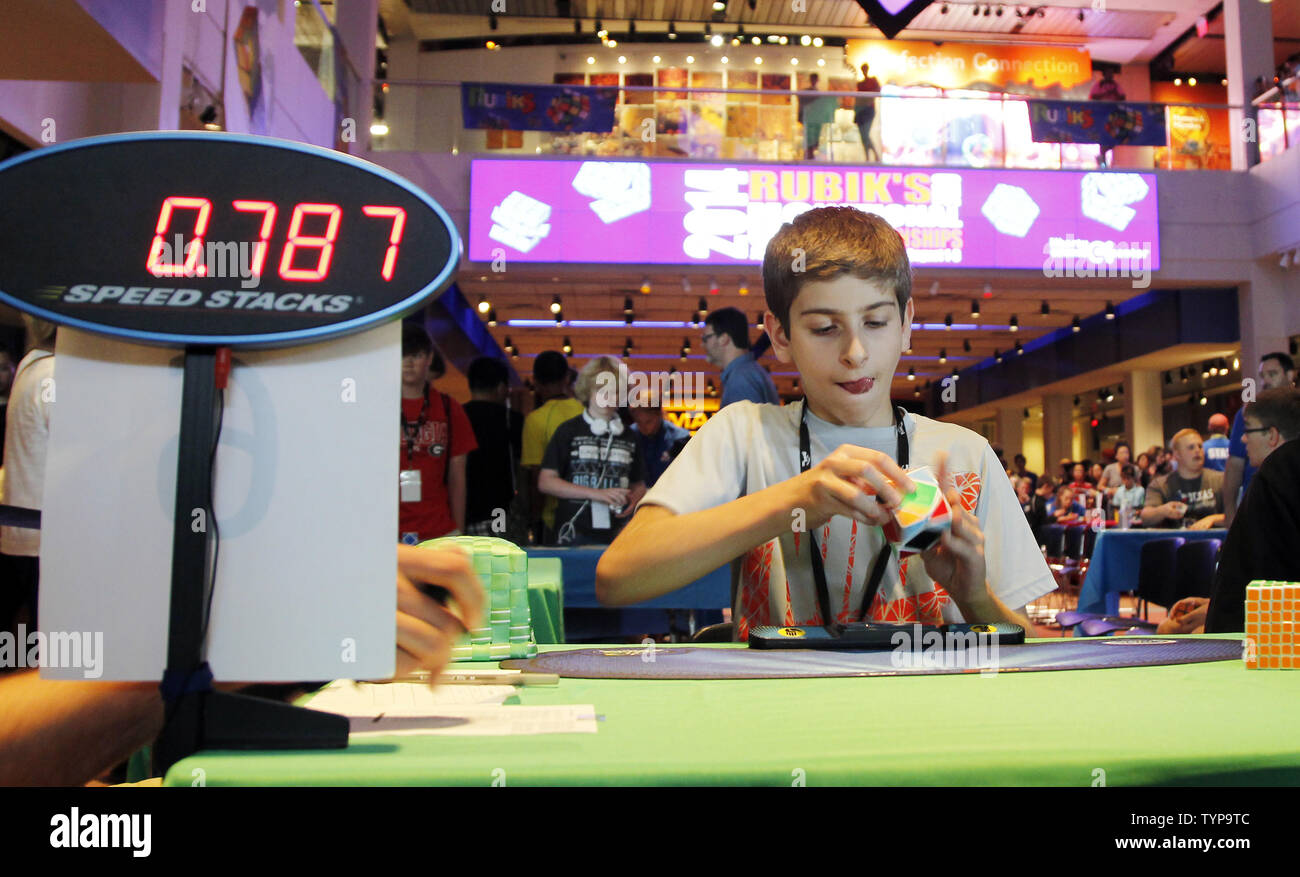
(759, 483)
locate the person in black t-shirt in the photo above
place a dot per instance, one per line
(593, 463)
(491, 471)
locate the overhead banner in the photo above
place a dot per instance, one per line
(537, 107)
(679, 213)
(1107, 123)
(1051, 70)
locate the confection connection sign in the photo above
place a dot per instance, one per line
(676, 213)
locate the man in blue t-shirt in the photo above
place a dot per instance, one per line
(1216, 446)
(1275, 370)
(726, 343)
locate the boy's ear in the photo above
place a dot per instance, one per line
(908, 313)
(780, 340)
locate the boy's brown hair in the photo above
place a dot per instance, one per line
(822, 244)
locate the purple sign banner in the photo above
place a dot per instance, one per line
(677, 213)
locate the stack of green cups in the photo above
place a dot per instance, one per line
(502, 567)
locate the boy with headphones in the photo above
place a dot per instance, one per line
(796, 495)
(593, 464)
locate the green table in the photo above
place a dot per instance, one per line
(1193, 724)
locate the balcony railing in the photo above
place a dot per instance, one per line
(913, 127)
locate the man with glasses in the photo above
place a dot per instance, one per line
(1261, 543)
(1275, 370)
(726, 343)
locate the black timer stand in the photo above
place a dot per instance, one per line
(197, 717)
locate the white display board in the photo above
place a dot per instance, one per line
(305, 500)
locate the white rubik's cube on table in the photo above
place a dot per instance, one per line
(922, 518)
(502, 567)
(1272, 619)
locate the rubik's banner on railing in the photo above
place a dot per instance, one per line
(537, 107)
(1108, 123)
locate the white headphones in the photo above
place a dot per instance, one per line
(613, 426)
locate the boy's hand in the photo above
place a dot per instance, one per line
(425, 628)
(957, 560)
(855, 482)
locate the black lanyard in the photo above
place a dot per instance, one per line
(412, 429)
(882, 560)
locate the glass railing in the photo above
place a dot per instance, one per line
(913, 127)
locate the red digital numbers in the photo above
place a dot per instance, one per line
(330, 216)
(193, 265)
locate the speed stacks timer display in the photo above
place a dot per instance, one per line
(180, 237)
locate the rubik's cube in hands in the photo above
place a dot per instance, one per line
(922, 518)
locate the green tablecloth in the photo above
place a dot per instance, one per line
(1199, 724)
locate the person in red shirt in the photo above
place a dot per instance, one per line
(434, 441)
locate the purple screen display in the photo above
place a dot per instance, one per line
(675, 213)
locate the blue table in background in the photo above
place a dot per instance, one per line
(704, 597)
(1114, 564)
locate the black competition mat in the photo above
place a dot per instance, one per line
(690, 662)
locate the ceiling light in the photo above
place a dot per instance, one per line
(1020, 351)
(821, 62)
(703, 307)
(483, 305)
(1203, 400)
(805, 40)
(492, 317)
(1191, 80)
(628, 313)
(567, 348)
(947, 322)
(1178, 80)
(690, 59)
(758, 60)
(794, 61)
(725, 59)
(380, 129)
(1074, 325)
(686, 345)
(622, 59)
(611, 44)
(756, 41)
(715, 40)
(965, 345)
(1014, 326)
(719, 5)
(817, 42)
(911, 374)
(591, 60)
(1236, 363)
(975, 308)
(555, 304)
(735, 41)
(1045, 309)
(672, 30)
(655, 59)
(997, 355)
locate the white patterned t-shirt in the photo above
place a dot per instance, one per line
(746, 448)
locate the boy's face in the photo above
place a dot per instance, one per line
(845, 338)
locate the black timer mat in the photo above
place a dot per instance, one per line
(672, 662)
